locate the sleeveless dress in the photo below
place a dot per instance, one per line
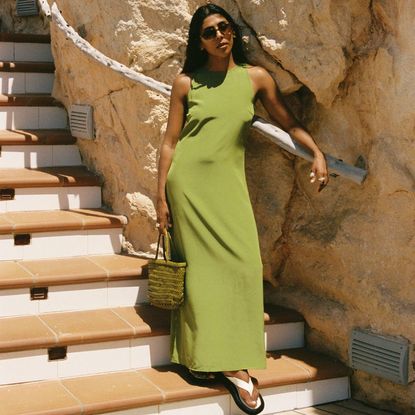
(220, 325)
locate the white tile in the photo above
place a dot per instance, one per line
(12, 83)
(39, 83)
(54, 198)
(52, 117)
(3, 208)
(75, 297)
(150, 351)
(26, 366)
(19, 117)
(148, 410)
(32, 52)
(277, 399)
(16, 302)
(127, 292)
(83, 197)
(8, 250)
(26, 156)
(104, 241)
(322, 391)
(66, 155)
(215, 405)
(56, 244)
(284, 336)
(93, 358)
(7, 51)
(34, 199)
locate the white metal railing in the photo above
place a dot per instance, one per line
(275, 134)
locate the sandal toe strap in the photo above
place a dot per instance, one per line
(248, 386)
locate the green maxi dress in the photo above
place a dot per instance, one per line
(220, 325)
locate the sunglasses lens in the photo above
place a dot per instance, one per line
(210, 32)
(223, 27)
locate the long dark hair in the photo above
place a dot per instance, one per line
(196, 58)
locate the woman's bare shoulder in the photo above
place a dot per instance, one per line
(181, 83)
(258, 72)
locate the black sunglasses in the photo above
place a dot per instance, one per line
(210, 32)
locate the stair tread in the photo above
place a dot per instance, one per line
(90, 268)
(59, 220)
(28, 100)
(91, 326)
(30, 67)
(57, 176)
(24, 38)
(35, 137)
(154, 386)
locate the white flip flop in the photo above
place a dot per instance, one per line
(232, 383)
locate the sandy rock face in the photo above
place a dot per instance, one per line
(10, 22)
(342, 257)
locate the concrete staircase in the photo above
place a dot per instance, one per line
(77, 335)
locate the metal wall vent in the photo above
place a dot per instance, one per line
(26, 8)
(384, 356)
(81, 122)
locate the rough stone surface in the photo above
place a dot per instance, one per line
(10, 22)
(342, 257)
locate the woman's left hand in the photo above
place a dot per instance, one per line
(319, 171)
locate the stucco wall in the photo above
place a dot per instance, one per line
(343, 257)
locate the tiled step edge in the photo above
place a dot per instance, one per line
(30, 67)
(24, 38)
(60, 176)
(63, 271)
(64, 220)
(82, 327)
(34, 137)
(157, 386)
(28, 100)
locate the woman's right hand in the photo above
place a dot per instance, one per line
(163, 215)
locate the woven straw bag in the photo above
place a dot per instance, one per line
(165, 277)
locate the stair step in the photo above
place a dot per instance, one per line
(61, 176)
(101, 325)
(81, 327)
(80, 283)
(28, 100)
(63, 271)
(33, 117)
(32, 67)
(24, 37)
(65, 220)
(36, 137)
(294, 378)
(102, 340)
(65, 233)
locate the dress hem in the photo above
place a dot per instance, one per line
(223, 368)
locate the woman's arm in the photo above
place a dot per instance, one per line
(180, 88)
(268, 92)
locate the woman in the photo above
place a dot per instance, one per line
(203, 198)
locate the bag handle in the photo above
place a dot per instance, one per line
(166, 245)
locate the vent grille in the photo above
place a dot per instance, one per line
(80, 121)
(380, 355)
(26, 8)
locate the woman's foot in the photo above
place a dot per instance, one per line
(250, 400)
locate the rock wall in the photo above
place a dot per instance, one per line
(10, 22)
(343, 257)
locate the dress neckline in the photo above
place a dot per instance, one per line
(219, 72)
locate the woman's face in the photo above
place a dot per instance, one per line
(216, 36)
